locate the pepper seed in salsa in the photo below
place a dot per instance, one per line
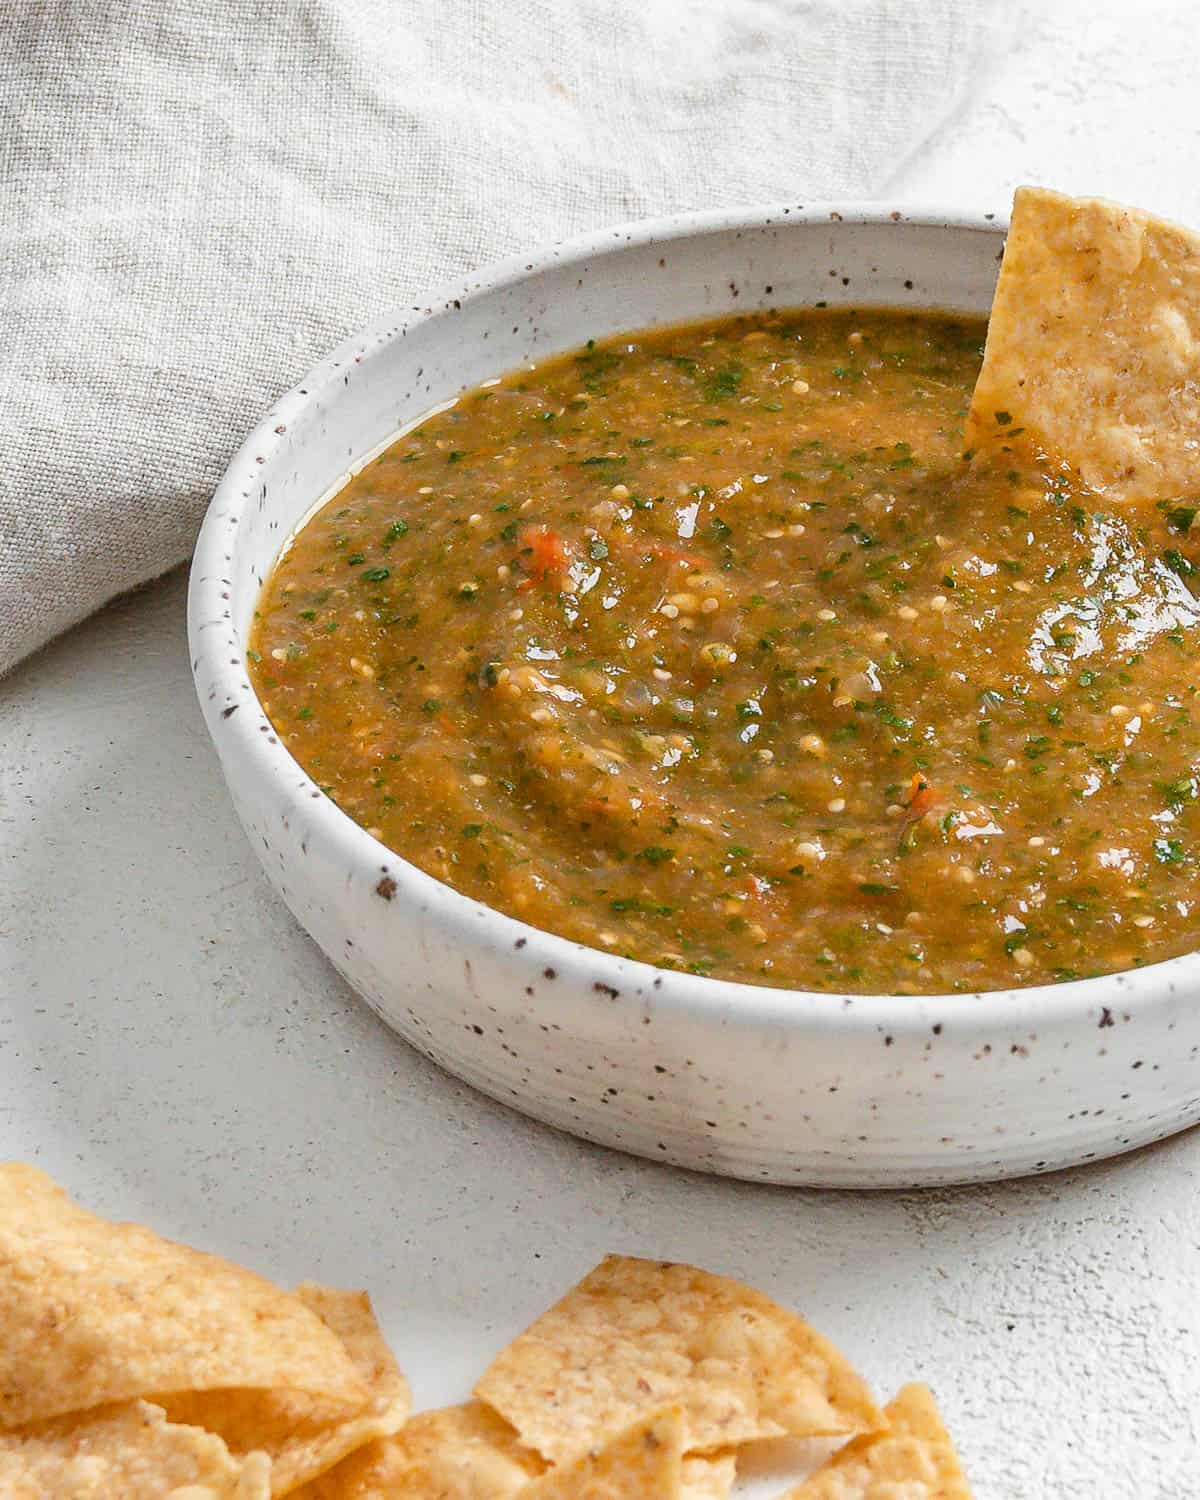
(706, 646)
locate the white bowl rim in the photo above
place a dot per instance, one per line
(970, 1012)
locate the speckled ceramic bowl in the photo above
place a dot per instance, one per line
(753, 1082)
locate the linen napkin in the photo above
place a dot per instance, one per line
(198, 198)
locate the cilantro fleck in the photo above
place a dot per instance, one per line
(1170, 851)
(657, 855)
(722, 383)
(1179, 517)
(1176, 793)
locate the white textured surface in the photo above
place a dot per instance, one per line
(174, 1049)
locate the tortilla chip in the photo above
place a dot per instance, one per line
(642, 1463)
(131, 1451)
(95, 1312)
(706, 1478)
(914, 1459)
(636, 1335)
(303, 1434)
(1093, 345)
(458, 1453)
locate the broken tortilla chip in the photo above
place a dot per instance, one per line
(636, 1335)
(1093, 345)
(469, 1453)
(129, 1450)
(306, 1435)
(95, 1312)
(708, 1478)
(914, 1459)
(456, 1453)
(643, 1461)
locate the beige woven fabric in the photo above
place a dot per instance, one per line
(199, 197)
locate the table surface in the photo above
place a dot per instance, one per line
(174, 1049)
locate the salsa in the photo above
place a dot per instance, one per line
(709, 647)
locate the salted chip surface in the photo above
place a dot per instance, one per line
(708, 1478)
(1093, 345)
(642, 1462)
(636, 1335)
(305, 1435)
(95, 1312)
(129, 1451)
(456, 1453)
(913, 1460)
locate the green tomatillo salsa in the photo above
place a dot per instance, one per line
(708, 647)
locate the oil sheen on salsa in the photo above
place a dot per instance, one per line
(707, 646)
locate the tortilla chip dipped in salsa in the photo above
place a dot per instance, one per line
(1093, 345)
